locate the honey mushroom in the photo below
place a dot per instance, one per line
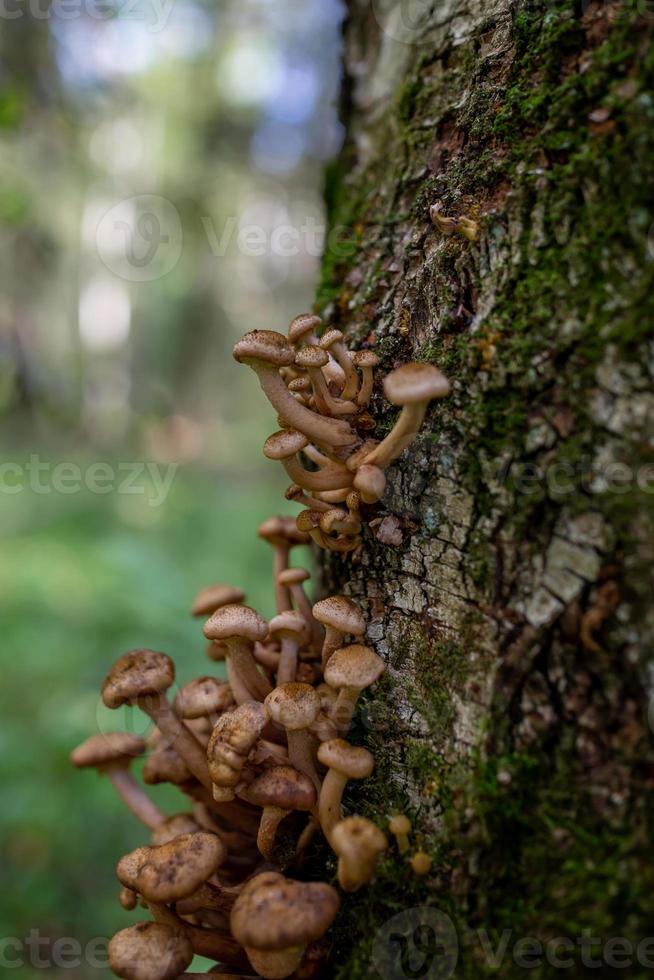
(239, 627)
(296, 707)
(332, 341)
(278, 790)
(207, 600)
(293, 579)
(282, 534)
(150, 951)
(351, 670)
(359, 844)
(203, 697)
(400, 827)
(344, 762)
(314, 360)
(233, 738)
(341, 617)
(293, 632)
(284, 447)
(366, 361)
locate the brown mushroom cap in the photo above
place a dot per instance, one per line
(301, 325)
(352, 761)
(293, 576)
(129, 866)
(136, 674)
(164, 765)
(354, 666)
(275, 913)
(340, 613)
(290, 623)
(365, 358)
(203, 696)
(264, 345)
(175, 870)
(281, 530)
(102, 750)
(211, 597)
(285, 443)
(412, 383)
(330, 337)
(359, 842)
(236, 621)
(311, 357)
(295, 706)
(174, 826)
(283, 787)
(150, 951)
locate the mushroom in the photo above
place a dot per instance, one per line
(358, 843)
(204, 697)
(412, 386)
(314, 360)
(296, 707)
(173, 871)
(265, 352)
(141, 677)
(150, 951)
(275, 919)
(350, 670)
(279, 790)
(370, 481)
(293, 579)
(112, 754)
(212, 597)
(366, 361)
(239, 627)
(344, 761)
(341, 617)
(292, 629)
(400, 827)
(421, 863)
(285, 444)
(298, 496)
(332, 341)
(282, 534)
(303, 329)
(233, 738)
(308, 521)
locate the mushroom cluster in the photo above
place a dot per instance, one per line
(321, 391)
(264, 747)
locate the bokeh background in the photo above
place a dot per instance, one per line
(161, 193)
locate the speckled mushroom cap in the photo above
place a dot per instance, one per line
(264, 345)
(291, 624)
(212, 597)
(102, 750)
(175, 870)
(236, 621)
(365, 358)
(415, 383)
(283, 787)
(164, 765)
(281, 530)
(311, 357)
(355, 666)
(284, 444)
(352, 761)
(275, 913)
(301, 325)
(330, 337)
(293, 705)
(341, 613)
(136, 674)
(203, 696)
(174, 826)
(293, 576)
(150, 951)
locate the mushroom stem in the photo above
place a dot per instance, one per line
(343, 710)
(297, 495)
(246, 668)
(332, 477)
(177, 735)
(333, 638)
(300, 754)
(205, 942)
(135, 797)
(280, 564)
(271, 818)
(401, 435)
(329, 805)
(239, 690)
(287, 668)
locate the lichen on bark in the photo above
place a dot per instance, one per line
(506, 572)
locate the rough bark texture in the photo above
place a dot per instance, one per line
(507, 576)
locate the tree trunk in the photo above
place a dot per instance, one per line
(506, 570)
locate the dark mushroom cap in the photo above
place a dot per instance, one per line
(341, 613)
(264, 345)
(354, 666)
(106, 750)
(284, 444)
(281, 786)
(136, 674)
(301, 325)
(175, 870)
(294, 705)
(291, 624)
(174, 826)
(353, 761)
(150, 951)
(274, 913)
(411, 383)
(203, 696)
(281, 531)
(164, 765)
(311, 357)
(236, 621)
(211, 597)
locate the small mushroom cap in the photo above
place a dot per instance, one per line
(164, 765)
(203, 696)
(371, 482)
(236, 621)
(212, 597)
(293, 576)
(293, 705)
(415, 383)
(136, 674)
(264, 345)
(299, 384)
(353, 761)
(355, 666)
(106, 750)
(291, 624)
(275, 913)
(281, 530)
(283, 787)
(359, 842)
(174, 826)
(302, 325)
(399, 824)
(307, 520)
(284, 444)
(330, 337)
(341, 613)
(365, 358)
(175, 870)
(311, 357)
(233, 736)
(150, 951)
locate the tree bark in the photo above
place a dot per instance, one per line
(506, 572)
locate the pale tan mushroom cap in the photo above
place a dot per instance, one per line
(311, 357)
(150, 951)
(415, 383)
(294, 705)
(341, 613)
(264, 345)
(175, 870)
(399, 824)
(291, 624)
(365, 358)
(274, 913)
(236, 621)
(129, 866)
(203, 696)
(354, 666)
(102, 750)
(174, 826)
(358, 839)
(352, 761)
(302, 325)
(212, 597)
(284, 444)
(164, 765)
(293, 576)
(283, 787)
(136, 674)
(281, 530)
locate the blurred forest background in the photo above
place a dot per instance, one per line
(161, 194)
